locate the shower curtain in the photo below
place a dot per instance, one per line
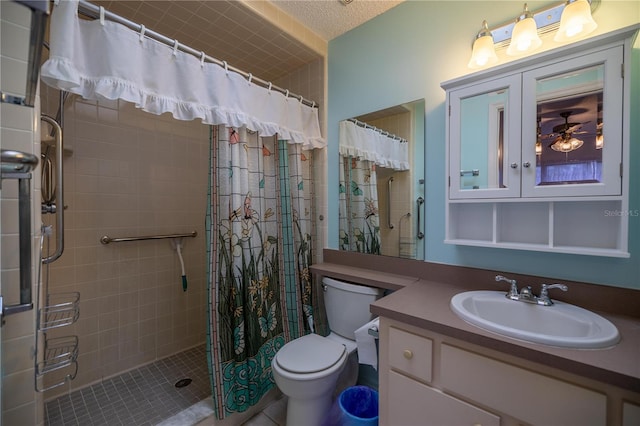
(259, 252)
(359, 219)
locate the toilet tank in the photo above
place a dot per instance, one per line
(347, 306)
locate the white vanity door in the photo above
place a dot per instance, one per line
(484, 139)
(572, 110)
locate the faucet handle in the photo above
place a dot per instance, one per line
(513, 291)
(544, 292)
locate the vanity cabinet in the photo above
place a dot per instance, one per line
(414, 401)
(538, 151)
(468, 384)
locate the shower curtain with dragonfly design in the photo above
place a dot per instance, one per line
(358, 215)
(259, 252)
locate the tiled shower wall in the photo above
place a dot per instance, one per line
(130, 173)
(21, 405)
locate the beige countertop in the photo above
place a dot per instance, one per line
(425, 304)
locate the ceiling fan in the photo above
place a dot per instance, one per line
(565, 141)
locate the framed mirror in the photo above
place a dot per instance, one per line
(381, 195)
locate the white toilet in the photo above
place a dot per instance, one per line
(307, 369)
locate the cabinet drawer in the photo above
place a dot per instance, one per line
(531, 397)
(415, 403)
(410, 353)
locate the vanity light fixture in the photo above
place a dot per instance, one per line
(576, 21)
(524, 38)
(484, 53)
(570, 19)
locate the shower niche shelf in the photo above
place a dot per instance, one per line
(59, 359)
(60, 352)
(62, 309)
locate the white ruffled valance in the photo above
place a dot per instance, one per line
(370, 144)
(110, 61)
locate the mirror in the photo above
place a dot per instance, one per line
(381, 198)
(570, 134)
(482, 140)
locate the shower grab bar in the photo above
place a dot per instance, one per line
(59, 191)
(18, 165)
(473, 172)
(420, 202)
(389, 202)
(106, 239)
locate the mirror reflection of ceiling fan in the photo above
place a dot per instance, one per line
(563, 134)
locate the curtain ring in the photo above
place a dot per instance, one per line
(286, 95)
(202, 59)
(301, 98)
(102, 15)
(143, 30)
(175, 47)
(269, 88)
(250, 78)
(226, 67)
(313, 104)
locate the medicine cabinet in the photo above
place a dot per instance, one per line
(538, 151)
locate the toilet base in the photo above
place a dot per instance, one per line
(305, 412)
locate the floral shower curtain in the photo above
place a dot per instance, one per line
(259, 251)
(359, 219)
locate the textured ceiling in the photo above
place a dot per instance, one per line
(331, 18)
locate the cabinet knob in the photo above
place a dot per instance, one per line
(407, 354)
(526, 164)
(514, 165)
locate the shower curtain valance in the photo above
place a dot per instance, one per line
(106, 60)
(369, 144)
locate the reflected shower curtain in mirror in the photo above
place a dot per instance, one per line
(259, 252)
(358, 217)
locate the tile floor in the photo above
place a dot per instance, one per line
(144, 396)
(148, 396)
(275, 414)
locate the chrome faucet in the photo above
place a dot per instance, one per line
(513, 291)
(526, 293)
(544, 299)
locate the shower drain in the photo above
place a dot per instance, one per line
(182, 383)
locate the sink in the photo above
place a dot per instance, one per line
(560, 324)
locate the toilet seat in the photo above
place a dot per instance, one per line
(309, 354)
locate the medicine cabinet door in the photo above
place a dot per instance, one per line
(484, 139)
(572, 127)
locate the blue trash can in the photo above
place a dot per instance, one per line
(358, 406)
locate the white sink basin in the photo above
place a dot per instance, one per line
(561, 324)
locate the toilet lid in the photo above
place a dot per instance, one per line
(309, 354)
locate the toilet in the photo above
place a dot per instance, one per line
(309, 368)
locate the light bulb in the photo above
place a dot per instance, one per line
(576, 20)
(524, 37)
(484, 52)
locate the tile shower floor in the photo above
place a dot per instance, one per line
(144, 396)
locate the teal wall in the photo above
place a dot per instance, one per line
(403, 55)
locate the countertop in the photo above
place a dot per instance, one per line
(425, 304)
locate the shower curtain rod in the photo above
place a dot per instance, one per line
(90, 10)
(369, 126)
